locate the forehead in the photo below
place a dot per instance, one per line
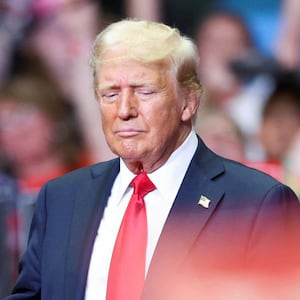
(121, 70)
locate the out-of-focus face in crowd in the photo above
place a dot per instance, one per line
(220, 39)
(35, 124)
(280, 123)
(221, 134)
(26, 133)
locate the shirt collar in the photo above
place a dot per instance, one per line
(169, 176)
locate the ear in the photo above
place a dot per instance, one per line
(191, 104)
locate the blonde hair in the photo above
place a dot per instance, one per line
(149, 42)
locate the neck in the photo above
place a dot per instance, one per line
(151, 162)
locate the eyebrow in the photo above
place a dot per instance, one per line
(137, 84)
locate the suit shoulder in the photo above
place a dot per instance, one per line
(249, 176)
(230, 172)
(85, 173)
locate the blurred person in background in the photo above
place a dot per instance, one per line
(223, 38)
(261, 17)
(220, 133)
(280, 125)
(38, 141)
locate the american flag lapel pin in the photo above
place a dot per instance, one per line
(204, 201)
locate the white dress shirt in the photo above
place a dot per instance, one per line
(167, 180)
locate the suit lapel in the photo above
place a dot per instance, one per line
(187, 218)
(88, 210)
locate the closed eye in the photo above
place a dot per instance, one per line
(144, 93)
(109, 96)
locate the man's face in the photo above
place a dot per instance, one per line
(143, 117)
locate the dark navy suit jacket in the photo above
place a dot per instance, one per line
(249, 217)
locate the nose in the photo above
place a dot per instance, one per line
(127, 105)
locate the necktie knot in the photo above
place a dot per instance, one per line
(142, 184)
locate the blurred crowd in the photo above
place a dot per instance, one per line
(49, 120)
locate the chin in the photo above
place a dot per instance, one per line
(130, 156)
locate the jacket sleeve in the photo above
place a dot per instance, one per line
(275, 236)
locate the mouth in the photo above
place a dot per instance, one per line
(130, 132)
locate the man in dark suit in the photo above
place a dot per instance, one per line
(210, 220)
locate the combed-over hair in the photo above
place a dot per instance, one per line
(150, 42)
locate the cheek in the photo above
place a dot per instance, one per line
(163, 126)
(162, 118)
(107, 120)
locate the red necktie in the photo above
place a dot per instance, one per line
(127, 267)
